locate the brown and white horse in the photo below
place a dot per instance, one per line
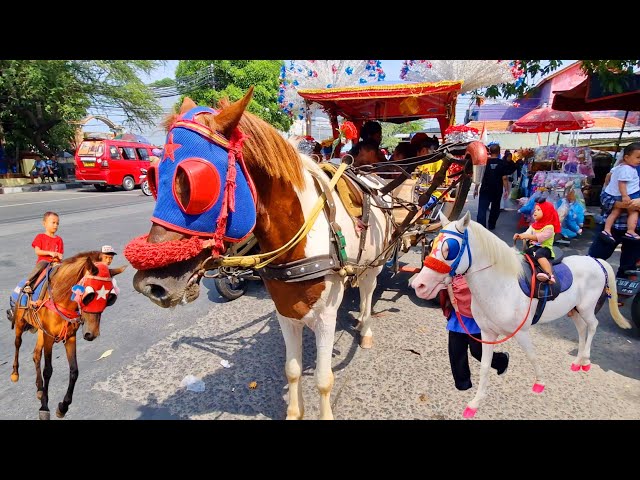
(287, 186)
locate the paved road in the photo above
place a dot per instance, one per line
(405, 376)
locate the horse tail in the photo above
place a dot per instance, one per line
(613, 299)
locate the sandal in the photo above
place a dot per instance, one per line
(632, 236)
(543, 277)
(607, 237)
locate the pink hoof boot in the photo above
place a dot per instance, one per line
(537, 388)
(575, 367)
(469, 412)
(586, 368)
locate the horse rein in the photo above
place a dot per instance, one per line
(452, 273)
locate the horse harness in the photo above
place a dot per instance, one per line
(72, 317)
(336, 261)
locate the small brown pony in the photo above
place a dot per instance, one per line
(58, 316)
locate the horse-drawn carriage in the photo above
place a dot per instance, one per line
(396, 103)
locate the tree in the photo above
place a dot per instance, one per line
(390, 130)
(535, 68)
(207, 81)
(41, 101)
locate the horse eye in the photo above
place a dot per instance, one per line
(196, 185)
(444, 250)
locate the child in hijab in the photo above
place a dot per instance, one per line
(541, 234)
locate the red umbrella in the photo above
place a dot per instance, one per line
(546, 119)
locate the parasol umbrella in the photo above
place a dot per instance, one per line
(593, 94)
(545, 119)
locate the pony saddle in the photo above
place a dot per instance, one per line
(39, 289)
(562, 273)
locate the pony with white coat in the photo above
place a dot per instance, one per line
(490, 266)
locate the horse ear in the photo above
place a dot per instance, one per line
(443, 219)
(229, 117)
(463, 223)
(117, 271)
(91, 267)
(187, 104)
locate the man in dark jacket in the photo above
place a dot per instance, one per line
(492, 187)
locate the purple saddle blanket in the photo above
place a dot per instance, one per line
(564, 279)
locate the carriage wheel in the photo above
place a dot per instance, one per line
(231, 289)
(461, 197)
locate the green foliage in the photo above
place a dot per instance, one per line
(533, 69)
(41, 101)
(232, 79)
(389, 130)
(165, 82)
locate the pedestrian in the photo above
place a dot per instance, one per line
(47, 246)
(624, 185)
(492, 187)
(629, 249)
(106, 256)
(459, 341)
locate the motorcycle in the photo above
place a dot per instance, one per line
(232, 282)
(630, 287)
(144, 183)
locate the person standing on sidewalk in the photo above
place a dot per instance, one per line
(492, 187)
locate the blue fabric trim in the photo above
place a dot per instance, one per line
(454, 325)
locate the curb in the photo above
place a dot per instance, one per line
(40, 187)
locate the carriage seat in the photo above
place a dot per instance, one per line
(350, 194)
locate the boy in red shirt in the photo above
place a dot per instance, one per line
(48, 247)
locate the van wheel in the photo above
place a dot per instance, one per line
(100, 188)
(128, 183)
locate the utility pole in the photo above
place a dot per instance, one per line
(212, 77)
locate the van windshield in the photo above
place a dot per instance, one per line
(91, 147)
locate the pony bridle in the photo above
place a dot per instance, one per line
(455, 251)
(96, 292)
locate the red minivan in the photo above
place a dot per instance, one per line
(104, 162)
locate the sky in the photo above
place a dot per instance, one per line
(156, 135)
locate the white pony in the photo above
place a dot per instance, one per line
(491, 266)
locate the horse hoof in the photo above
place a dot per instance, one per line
(59, 414)
(575, 367)
(469, 412)
(14, 377)
(39, 394)
(44, 415)
(537, 388)
(366, 342)
(586, 368)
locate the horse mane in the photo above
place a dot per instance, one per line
(264, 148)
(501, 255)
(268, 150)
(69, 273)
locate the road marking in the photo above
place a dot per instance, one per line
(58, 200)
